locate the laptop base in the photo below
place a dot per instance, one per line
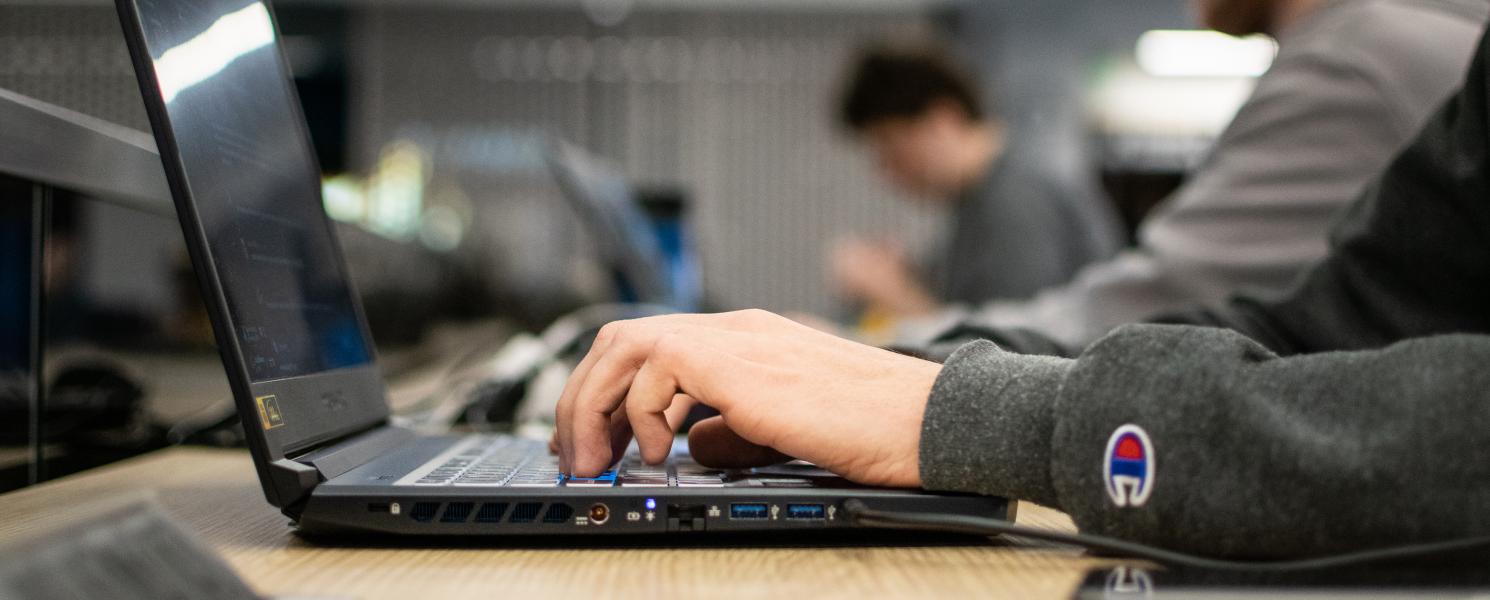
(375, 498)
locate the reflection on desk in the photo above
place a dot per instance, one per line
(215, 493)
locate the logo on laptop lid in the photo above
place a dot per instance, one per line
(1128, 466)
(269, 413)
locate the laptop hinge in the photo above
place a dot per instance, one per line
(295, 478)
(334, 460)
(292, 481)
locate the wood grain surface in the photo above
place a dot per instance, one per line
(215, 493)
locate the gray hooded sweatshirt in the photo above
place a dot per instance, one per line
(1350, 412)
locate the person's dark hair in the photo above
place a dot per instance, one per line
(889, 81)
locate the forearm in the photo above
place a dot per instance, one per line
(1252, 454)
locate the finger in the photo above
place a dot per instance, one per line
(647, 402)
(714, 444)
(620, 434)
(564, 412)
(599, 402)
(553, 442)
(677, 412)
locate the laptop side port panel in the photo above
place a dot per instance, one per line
(611, 512)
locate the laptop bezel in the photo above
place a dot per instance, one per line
(337, 403)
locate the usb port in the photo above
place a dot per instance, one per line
(753, 510)
(805, 512)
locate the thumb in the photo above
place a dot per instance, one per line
(714, 444)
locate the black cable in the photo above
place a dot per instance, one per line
(185, 432)
(860, 514)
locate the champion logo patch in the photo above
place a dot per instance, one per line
(1128, 466)
(1129, 582)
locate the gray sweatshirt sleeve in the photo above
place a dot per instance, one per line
(1352, 412)
(1348, 89)
(1251, 455)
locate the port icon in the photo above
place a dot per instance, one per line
(749, 510)
(806, 512)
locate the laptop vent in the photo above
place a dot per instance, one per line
(424, 512)
(558, 513)
(525, 512)
(457, 512)
(491, 512)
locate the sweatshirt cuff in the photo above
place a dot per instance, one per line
(989, 422)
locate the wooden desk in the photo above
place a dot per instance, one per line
(215, 493)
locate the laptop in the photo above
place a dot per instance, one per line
(623, 235)
(301, 364)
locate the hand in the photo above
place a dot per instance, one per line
(880, 274)
(782, 389)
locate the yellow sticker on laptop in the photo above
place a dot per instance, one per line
(269, 413)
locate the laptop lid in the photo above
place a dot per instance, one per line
(247, 189)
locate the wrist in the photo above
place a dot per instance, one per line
(909, 471)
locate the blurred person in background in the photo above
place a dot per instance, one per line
(1352, 82)
(1013, 228)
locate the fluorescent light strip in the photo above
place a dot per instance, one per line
(1192, 53)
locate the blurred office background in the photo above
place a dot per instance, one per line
(425, 115)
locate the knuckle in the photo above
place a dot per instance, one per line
(608, 333)
(757, 316)
(634, 412)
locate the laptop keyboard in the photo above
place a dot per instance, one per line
(503, 461)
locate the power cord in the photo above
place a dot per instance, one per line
(861, 514)
(201, 433)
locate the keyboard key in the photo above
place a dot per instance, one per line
(644, 483)
(554, 482)
(606, 479)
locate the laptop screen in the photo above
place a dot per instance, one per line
(249, 165)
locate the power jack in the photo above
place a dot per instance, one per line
(599, 514)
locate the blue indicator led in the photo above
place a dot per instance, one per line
(651, 504)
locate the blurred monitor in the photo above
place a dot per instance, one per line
(16, 223)
(16, 335)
